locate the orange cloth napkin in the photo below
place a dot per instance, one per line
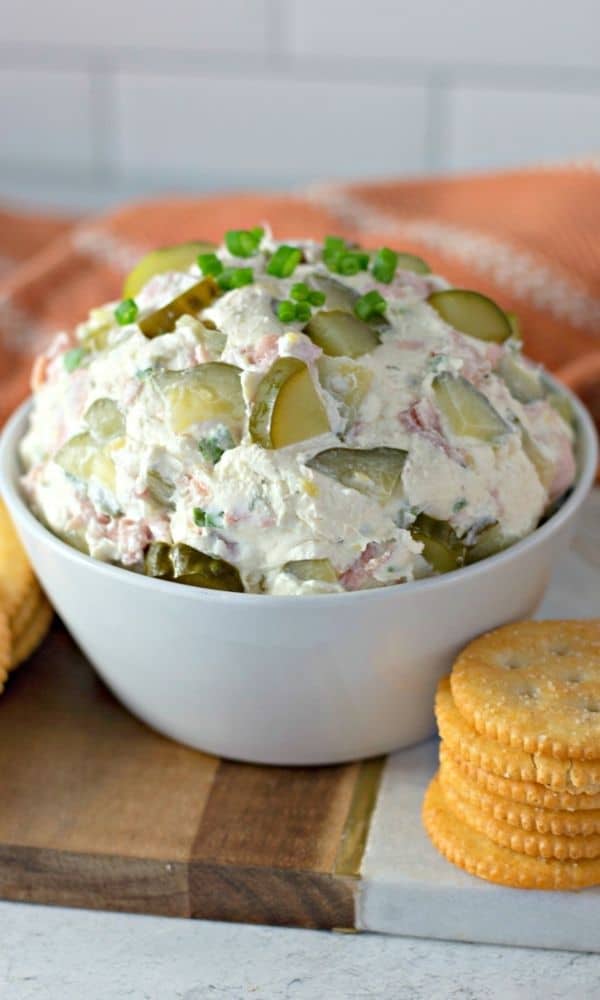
(530, 239)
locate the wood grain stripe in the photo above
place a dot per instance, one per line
(94, 881)
(271, 896)
(275, 817)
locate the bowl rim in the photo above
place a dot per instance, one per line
(588, 449)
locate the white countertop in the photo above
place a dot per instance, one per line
(49, 953)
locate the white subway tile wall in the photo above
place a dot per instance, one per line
(101, 102)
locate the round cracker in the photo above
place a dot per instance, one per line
(526, 792)
(16, 575)
(5, 646)
(585, 823)
(506, 762)
(478, 855)
(534, 686)
(25, 611)
(536, 845)
(29, 640)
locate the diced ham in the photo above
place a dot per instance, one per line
(363, 569)
(133, 538)
(423, 418)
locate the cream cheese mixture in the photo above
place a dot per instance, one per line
(314, 418)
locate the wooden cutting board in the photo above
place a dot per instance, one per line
(97, 810)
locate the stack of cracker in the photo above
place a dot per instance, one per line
(516, 799)
(25, 613)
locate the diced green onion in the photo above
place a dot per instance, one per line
(210, 450)
(243, 242)
(235, 277)
(286, 311)
(384, 265)
(333, 243)
(284, 261)
(316, 298)
(303, 312)
(126, 312)
(205, 520)
(370, 306)
(300, 292)
(73, 358)
(348, 264)
(214, 445)
(209, 263)
(342, 260)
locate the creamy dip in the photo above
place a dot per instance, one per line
(457, 446)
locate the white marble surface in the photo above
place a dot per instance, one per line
(56, 954)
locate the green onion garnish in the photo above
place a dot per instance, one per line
(73, 358)
(370, 306)
(333, 243)
(286, 311)
(284, 261)
(384, 265)
(347, 264)
(303, 312)
(234, 277)
(126, 312)
(300, 292)
(316, 298)
(210, 450)
(342, 260)
(243, 242)
(209, 263)
(205, 520)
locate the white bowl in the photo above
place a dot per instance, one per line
(286, 680)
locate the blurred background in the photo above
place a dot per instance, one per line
(100, 102)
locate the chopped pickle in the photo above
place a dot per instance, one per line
(184, 564)
(467, 411)
(73, 538)
(337, 295)
(559, 402)
(199, 570)
(97, 339)
(410, 262)
(105, 420)
(347, 381)
(212, 340)
(188, 303)
(211, 391)
(523, 383)
(161, 490)
(543, 466)
(157, 561)
(82, 458)
(375, 472)
(515, 325)
(287, 407)
(341, 334)
(488, 542)
(472, 313)
(311, 569)
(442, 548)
(177, 258)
